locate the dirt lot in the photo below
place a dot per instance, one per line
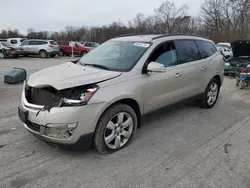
(183, 147)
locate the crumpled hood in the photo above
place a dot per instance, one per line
(69, 75)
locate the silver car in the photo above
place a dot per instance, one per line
(44, 48)
(99, 100)
(90, 45)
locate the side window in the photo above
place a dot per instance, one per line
(165, 54)
(88, 44)
(13, 41)
(25, 43)
(187, 51)
(65, 43)
(42, 42)
(207, 49)
(34, 43)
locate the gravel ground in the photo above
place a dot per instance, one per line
(182, 147)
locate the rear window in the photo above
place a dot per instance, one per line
(206, 48)
(65, 43)
(13, 41)
(53, 42)
(187, 51)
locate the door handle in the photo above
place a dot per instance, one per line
(178, 75)
(203, 68)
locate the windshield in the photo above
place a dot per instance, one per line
(116, 55)
(8, 45)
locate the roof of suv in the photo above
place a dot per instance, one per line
(152, 37)
(38, 39)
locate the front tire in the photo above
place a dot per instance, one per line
(115, 129)
(2, 55)
(210, 95)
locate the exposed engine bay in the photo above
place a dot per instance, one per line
(50, 97)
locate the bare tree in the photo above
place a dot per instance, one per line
(169, 17)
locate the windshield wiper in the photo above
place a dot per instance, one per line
(97, 65)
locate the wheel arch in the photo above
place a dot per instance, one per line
(128, 101)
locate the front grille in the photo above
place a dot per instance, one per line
(48, 97)
(33, 126)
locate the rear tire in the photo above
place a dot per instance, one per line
(210, 96)
(115, 128)
(43, 54)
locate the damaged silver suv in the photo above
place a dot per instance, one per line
(99, 99)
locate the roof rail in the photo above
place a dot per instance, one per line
(135, 34)
(179, 34)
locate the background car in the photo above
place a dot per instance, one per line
(44, 48)
(15, 41)
(66, 48)
(8, 50)
(90, 45)
(226, 52)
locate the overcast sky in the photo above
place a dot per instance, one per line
(54, 15)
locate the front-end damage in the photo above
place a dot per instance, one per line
(44, 99)
(49, 97)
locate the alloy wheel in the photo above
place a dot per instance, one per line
(212, 94)
(118, 130)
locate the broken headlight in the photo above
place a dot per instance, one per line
(80, 97)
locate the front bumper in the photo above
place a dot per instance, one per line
(40, 120)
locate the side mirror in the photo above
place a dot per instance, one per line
(155, 67)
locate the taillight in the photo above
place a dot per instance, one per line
(14, 49)
(52, 46)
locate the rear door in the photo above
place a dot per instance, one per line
(190, 67)
(208, 54)
(34, 46)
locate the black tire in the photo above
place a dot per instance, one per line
(52, 55)
(203, 102)
(2, 55)
(99, 142)
(26, 55)
(43, 54)
(15, 56)
(83, 53)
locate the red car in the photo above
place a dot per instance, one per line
(66, 48)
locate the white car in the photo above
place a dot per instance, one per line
(226, 52)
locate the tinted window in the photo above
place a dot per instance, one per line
(34, 43)
(187, 51)
(42, 42)
(64, 43)
(52, 42)
(22, 40)
(25, 43)
(165, 54)
(88, 44)
(206, 48)
(13, 41)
